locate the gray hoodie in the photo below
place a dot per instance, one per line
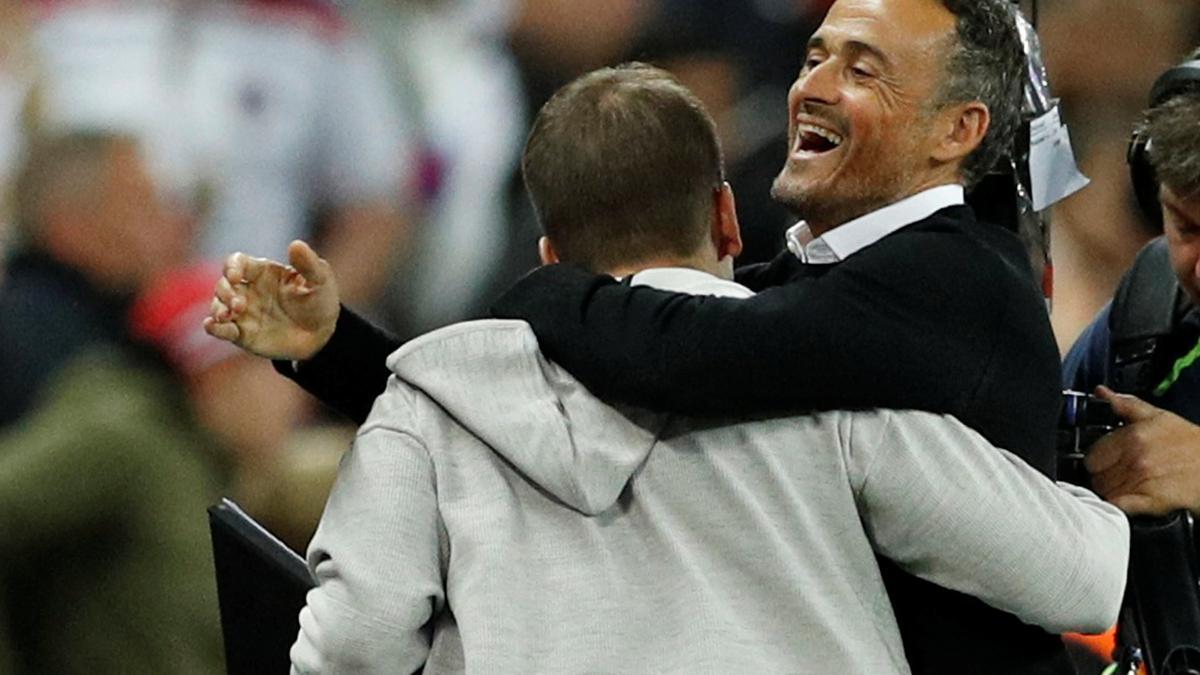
(495, 517)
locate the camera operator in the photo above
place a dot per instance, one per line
(1152, 465)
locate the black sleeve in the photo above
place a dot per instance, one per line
(351, 370)
(754, 276)
(761, 276)
(906, 325)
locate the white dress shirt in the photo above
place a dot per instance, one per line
(688, 280)
(849, 238)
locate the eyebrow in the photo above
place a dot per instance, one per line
(854, 47)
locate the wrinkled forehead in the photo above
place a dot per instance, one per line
(905, 32)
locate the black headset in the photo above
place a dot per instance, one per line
(1177, 80)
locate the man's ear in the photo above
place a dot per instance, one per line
(726, 231)
(961, 129)
(546, 252)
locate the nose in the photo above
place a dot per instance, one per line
(816, 84)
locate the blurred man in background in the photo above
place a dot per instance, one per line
(93, 230)
(277, 116)
(16, 80)
(105, 561)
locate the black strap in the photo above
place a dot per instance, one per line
(1162, 605)
(1146, 310)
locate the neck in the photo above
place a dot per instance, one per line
(720, 268)
(820, 226)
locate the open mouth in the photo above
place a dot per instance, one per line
(815, 140)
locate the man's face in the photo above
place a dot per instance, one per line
(858, 127)
(135, 224)
(1181, 225)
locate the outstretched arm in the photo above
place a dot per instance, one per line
(291, 313)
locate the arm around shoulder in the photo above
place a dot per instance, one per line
(865, 333)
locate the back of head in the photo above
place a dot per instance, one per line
(621, 166)
(986, 65)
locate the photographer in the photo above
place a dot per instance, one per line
(1151, 466)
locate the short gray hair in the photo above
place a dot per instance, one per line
(987, 65)
(65, 168)
(1174, 130)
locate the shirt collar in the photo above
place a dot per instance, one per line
(692, 281)
(851, 237)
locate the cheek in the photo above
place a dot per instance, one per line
(868, 135)
(793, 104)
(1183, 260)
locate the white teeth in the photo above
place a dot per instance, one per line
(834, 138)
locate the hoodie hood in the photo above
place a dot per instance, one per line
(490, 377)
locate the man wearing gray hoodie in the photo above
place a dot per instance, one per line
(493, 516)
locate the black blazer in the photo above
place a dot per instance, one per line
(942, 315)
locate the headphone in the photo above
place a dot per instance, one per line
(1177, 80)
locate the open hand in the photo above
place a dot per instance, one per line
(275, 310)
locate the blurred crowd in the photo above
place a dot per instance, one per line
(143, 140)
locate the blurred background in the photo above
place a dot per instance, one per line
(140, 138)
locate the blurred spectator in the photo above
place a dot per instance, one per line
(92, 232)
(450, 59)
(275, 107)
(558, 39)
(106, 557)
(16, 75)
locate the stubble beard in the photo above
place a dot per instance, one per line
(825, 208)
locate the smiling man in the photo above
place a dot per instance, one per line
(875, 114)
(891, 293)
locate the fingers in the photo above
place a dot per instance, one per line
(1137, 504)
(306, 261)
(228, 303)
(235, 268)
(1129, 408)
(1108, 451)
(244, 269)
(1113, 483)
(227, 331)
(1120, 461)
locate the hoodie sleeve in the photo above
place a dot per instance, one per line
(945, 505)
(377, 559)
